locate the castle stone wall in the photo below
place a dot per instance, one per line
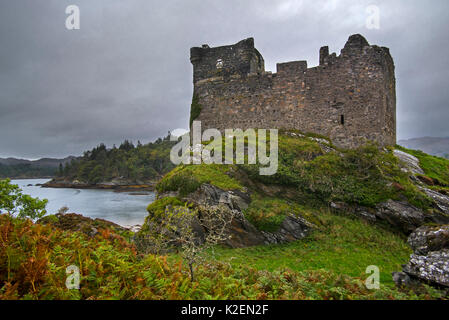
(350, 98)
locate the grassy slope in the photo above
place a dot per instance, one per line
(343, 245)
(329, 264)
(33, 261)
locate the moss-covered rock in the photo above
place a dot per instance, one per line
(186, 179)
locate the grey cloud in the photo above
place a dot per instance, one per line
(126, 73)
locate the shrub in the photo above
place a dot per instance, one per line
(13, 201)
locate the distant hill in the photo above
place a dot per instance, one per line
(22, 168)
(431, 145)
(44, 162)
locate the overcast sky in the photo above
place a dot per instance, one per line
(126, 73)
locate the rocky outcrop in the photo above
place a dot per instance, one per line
(400, 215)
(430, 260)
(428, 239)
(441, 200)
(292, 228)
(432, 268)
(243, 233)
(409, 163)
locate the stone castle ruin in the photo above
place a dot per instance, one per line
(349, 98)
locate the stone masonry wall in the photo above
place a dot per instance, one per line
(350, 98)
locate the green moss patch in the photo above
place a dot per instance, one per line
(195, 108)
(157, 208)
(188, 178)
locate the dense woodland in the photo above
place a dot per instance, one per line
(141, 162)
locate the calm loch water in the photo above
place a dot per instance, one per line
(123, 208)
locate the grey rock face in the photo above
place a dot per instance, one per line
(427, 239)
(433, 267)
(402, 279)
(292, 228)
(243, 233)
(401, 215)
(367, 214)
(441, 200)
(430, 260)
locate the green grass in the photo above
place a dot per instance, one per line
(343, 245)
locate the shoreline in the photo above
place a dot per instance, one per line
(34, 178)
(118, 188)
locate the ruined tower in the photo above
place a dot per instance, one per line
(351, 98)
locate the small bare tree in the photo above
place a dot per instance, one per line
(191, 231)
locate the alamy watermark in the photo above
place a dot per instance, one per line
(373, 281)
(72, 281)
(373, 19)
(206, 147)
(73, 21)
